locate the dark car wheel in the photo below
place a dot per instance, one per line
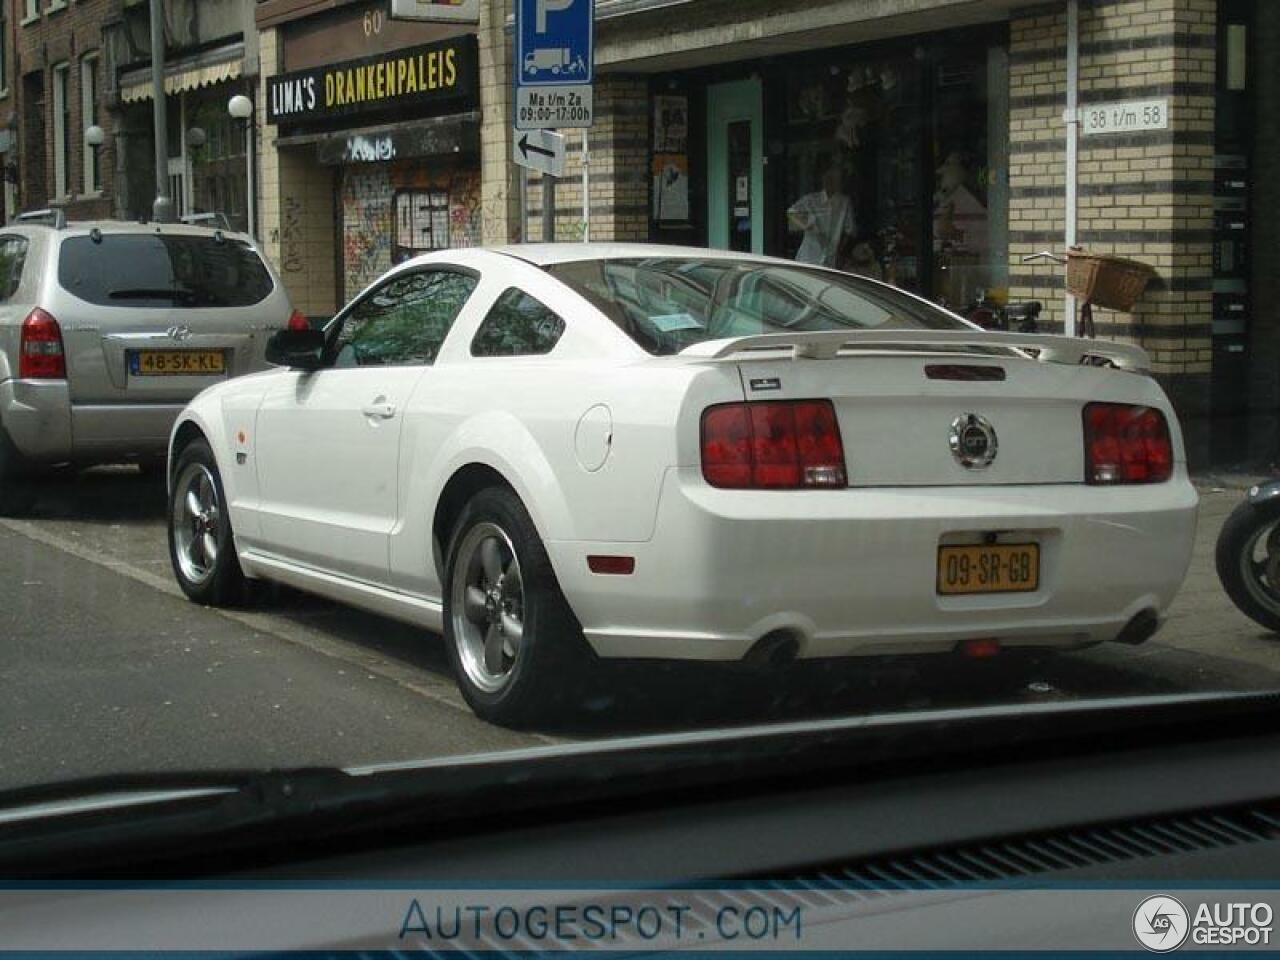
(201, 544)
(516, 648)
(1247, 556)
(17, 492)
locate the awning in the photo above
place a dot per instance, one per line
(186, 73)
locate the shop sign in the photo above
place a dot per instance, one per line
(1130, 116)
(440, 11)
(423, 78)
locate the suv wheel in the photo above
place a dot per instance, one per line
(16, 491)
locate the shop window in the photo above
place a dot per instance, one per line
(517, 325)
(897, 168)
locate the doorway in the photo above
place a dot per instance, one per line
(735, 166)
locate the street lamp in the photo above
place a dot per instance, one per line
(95, 137)
(241, 108)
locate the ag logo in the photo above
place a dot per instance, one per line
(1161, 923)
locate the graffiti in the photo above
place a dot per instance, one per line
(369, 149)
(367, 226)
(291, 256)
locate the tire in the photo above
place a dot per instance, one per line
(17, 492)
(216, 580)
(1237, 541)
(510, 684)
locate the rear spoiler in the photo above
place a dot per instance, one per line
(824, 345)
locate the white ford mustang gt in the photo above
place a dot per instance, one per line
(550, 452)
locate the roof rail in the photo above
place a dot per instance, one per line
(196, 219)
(54, 217)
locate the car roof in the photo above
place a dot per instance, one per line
(81, 228)
(547, 254)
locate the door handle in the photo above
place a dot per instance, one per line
(379, 409)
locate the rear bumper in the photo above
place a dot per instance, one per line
(46, 427)
(37, 416)
(853, 572)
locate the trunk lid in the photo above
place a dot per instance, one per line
(944, 409)
(152, 317)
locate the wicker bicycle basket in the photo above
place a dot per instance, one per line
(1113, 283)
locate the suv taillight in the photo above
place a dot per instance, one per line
(1126, 444)
(774, 445)
(40, 355)
(298, 322)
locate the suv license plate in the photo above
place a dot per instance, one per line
(177, 363)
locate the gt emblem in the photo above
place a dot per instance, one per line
(973, 441)
(179, 333)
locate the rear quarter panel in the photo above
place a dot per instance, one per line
(521, 416)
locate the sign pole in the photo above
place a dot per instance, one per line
(586, 188)
(548, 208)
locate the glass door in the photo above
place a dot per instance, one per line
(735, 166)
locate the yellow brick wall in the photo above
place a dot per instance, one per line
(1148, 196)
(296, 215)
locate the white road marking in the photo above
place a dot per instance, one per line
(428, 685)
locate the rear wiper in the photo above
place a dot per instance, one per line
(155, 293)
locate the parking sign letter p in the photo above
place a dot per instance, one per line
(543, 6)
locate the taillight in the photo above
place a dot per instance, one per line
(298, 322)
(40, 355)
(774, 445)
(1126, 444)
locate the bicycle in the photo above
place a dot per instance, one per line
(1112, 283)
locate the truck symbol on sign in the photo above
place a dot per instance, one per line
(554, 59)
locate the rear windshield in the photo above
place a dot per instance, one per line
(667, 304)
(149, 270)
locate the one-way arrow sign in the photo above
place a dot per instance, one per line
(541, 150)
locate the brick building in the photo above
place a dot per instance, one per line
(59, 84)
(72, 64)
(944, 122)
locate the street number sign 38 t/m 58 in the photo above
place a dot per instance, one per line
(554, 65)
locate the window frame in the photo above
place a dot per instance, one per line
(4, 49)
(61, 104)
(31, 12)
(475, 338)
(333, 330)
(90, 161)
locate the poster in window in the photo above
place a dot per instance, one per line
(670, 124)
(670, 188)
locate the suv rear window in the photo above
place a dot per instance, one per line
(151, 270)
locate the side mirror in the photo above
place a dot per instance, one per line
(297, 349)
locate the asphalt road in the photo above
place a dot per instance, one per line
(106, 668)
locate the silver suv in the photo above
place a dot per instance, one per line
(107, 329)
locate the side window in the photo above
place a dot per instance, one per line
(517, 325)
(13, 257)
(404, 322)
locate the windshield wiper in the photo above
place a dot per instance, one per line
(155, 293)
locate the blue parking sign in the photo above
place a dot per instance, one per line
(554, 42)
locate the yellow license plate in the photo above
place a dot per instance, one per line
(168, 363)
(999, 568)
